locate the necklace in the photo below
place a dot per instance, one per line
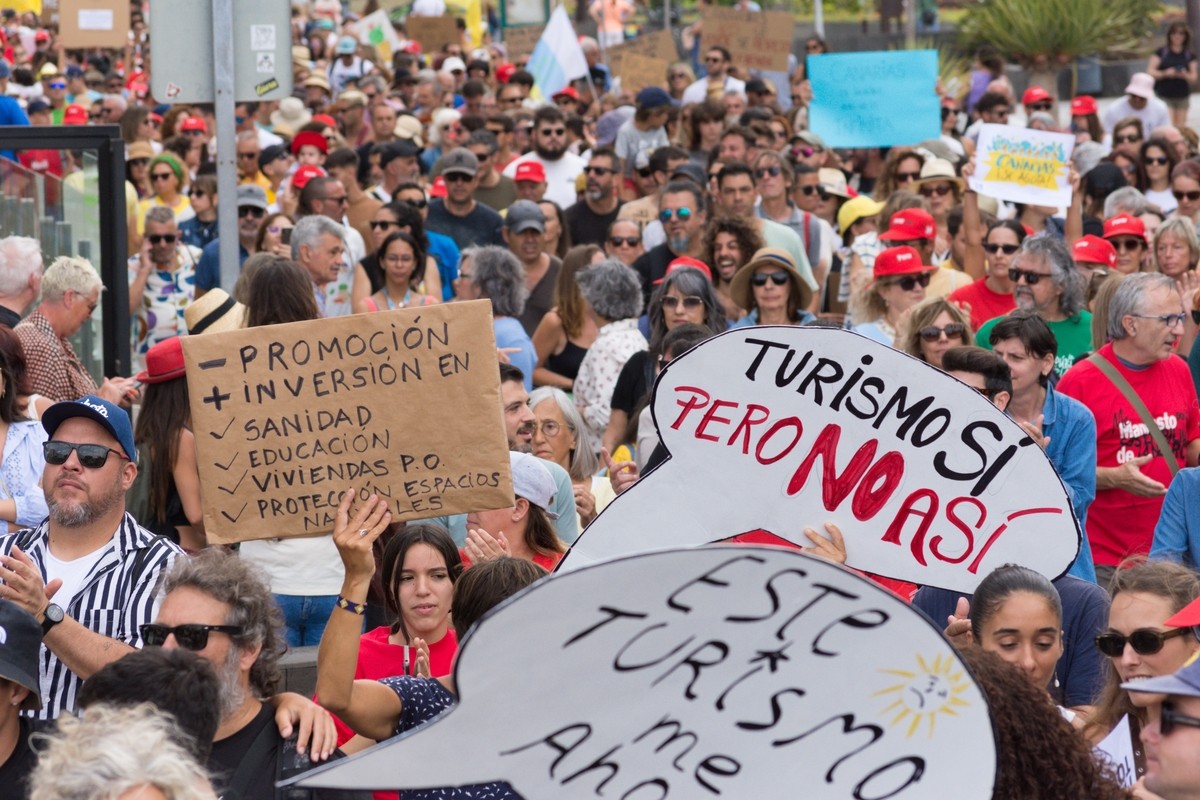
(392, 304)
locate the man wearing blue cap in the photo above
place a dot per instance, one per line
(88, 572)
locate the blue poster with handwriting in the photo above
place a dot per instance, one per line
(875, 99)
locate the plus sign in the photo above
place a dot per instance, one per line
(216, 398)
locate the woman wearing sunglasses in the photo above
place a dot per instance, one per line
(167, 177)
(402, 217)
(1139, 645)
(899, 281)
(771, 290)
(902, 170)
(1158, 159)
(1185, 188)
(934, 327)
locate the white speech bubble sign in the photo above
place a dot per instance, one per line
(782, 428)
(718, 671)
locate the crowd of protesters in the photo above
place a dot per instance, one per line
(610, 231)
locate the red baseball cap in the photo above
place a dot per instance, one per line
(685, 262)
(1094, 250)
(1124, 225)
(1083, 105)
(309, 137)
(438, 189)
(909, 225)
(325, 120)
(75, 115)
(532, 171)
(306, 173)
(41, 36)
(505, 71)
(193, 124)
(1035, 94)
(567, 92)
(899, 261)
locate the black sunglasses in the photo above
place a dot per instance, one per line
(772, 170)
(1145, 641)
(931, 333)
(190, 637)
(1007, 249)
(598, 170)
(628, 241)
(159, 238)
(940, 189)
(1128, 138)
(910, 282)
(1191, 196)
(1162, 161)
(1170, 718)
(761, 278)
(418, 204)
(92, 456)
(382, 224)
(1044, 106)
(253, 211)
(457, 177)
(819, 190)
(1031, 278)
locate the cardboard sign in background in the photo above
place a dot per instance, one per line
(638, 71)
(86, 23)
(1023, 165)
(713, 672)
(787, 428)
(520, 40)
(402, 403)
(874, 99)
(755, 39)
(431, 32)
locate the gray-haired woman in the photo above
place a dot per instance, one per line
(560, 436)
(493, 273)
(614, 296)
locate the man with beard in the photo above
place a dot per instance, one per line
(550, 150)
(459, 215)
(524, 233)
(519, 426)
(219, 607)
(99, 566)
(1045, 281)
(588, 220)
(729, 243)
(683, 214)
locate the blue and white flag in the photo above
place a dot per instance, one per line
(557, 59)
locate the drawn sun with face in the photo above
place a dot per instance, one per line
(924, 693)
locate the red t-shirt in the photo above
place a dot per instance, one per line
(1120, 524)
(985, 303)
(547, 563)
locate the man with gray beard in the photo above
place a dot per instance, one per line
(220, 607)
(88, 572)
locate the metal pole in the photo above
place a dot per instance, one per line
(819, 18)
(227, 221)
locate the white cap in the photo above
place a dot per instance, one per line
(452, 63)
(532, 481)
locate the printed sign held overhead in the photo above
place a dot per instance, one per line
(1023, 165)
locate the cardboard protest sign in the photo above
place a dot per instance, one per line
(1023, 165)
(1117, 749)
(875, 99)
(638, 71)
(659, 44)
(402, 403)
(431, 32)
(782, 428)
(755, 39)
(520, 40)
(734, 672)
(93, 23)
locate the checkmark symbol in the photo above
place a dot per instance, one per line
(221, 435)
(225, 514)
(236, 485)
(230, 464)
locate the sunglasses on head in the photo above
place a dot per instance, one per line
(92, 456)
(774, 171)
(189, 637)
(1191, 197)
(1007, 249)
(627, 241)
(940, 189)
(681, 214)
(159, 238)
(931, 333)
(1170, 718)
(1144, 641)
(910, 282)
(671, 302)
(761, 278)
(1128, 138)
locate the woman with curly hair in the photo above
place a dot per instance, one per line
(901, 170)
(564, 335)
(932, 328)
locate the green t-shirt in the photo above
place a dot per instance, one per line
(1074, 336)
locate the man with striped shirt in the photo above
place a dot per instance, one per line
(88, 573)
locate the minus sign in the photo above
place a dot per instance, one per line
(213, 364)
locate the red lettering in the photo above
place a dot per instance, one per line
(787, 422)
(974, 565)
(834, 487)
(926, 515)
(877, 486)
(699, 399)
(957, 522)
(711, 416)
(749, 420)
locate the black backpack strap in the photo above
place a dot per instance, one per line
(255, 753)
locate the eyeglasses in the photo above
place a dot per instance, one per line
(341, 200)
(57, 85)
(1007, 249)
(1043, 106)
(627, 241)
(550, 428)
(1130, 244)
(511, 100)
(248, 156)
(1169, 718)
(1001, 112)
(910, 282)
(1170, 320)
(774, 171)
(679, 76)
(197, 193)
(457, 177)
(818, 190)
(645, 172)
(1031, 278)
(162, 176)
(1191, 197)
(417, 203)
(598, 170)
(713, 60)
(940, 189)
(760, 278)
(681, 214)
(552, 132)
(138, 162)
(382, 224)
(931, 333)
(190, 637)
(905, 177)
(671, 302)
(1128, 138)
(159, 238)
(1145, 641)
(92, 456)
(1161, 161)
(251, 211)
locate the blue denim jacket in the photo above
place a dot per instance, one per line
(1072, 451)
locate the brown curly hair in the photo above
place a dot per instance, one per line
(1038, 753)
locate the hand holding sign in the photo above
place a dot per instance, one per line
(778, 428)
(717, 671)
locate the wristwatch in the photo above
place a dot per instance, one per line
(53, 615)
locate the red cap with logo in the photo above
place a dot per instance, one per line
(1094, 250)
(909, 225)
(75, 115)
(532, 171)
(306, 173)
(193, 124)
(1035, 94)
(685, 262)
(899, 261)
(309, 138)
(1124, 225)
(1083, 105)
